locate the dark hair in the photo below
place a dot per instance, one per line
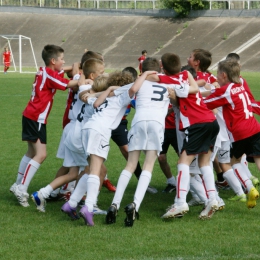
(90, 66)
(171, 63)
(233, 57)
(144, 51)
(90, 55)
(151, 64)
(132, 71)
(204, 57)
(51, 52)
(190, 69)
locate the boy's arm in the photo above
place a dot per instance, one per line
(153, 78)
(173, 98)
(103, 96)
(138, 83)
(193, 84)
(205, 93)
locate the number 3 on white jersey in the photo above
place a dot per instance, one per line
(246, 101)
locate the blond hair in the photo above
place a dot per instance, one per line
(100, 83)
(90, 66)
(231, 68)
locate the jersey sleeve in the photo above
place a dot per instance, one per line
(217, 98)
(181, 88)
(55, 81)
(84, 87)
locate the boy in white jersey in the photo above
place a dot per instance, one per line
(146, 134)
(47, 81)
(95, 139)
(69, 118)
(74, 154)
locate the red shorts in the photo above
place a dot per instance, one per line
(7, 64)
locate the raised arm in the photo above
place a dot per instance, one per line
(102, 97)
(153, 78)
(193, 84)
(138, 83)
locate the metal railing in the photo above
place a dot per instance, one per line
(130, 4)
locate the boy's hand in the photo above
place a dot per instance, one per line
(173, 98)
(149, 72)
(89, 81)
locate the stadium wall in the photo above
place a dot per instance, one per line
(121, 35)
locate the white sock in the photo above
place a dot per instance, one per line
(208, 181)
(122, 183)
(233, 182)
(142, 186)
(93, 183)
(105, 177)
(171, 181)
(244, 161)
(30, 170)
(46, 191)
(79, 191)
(68, 187)
(55, 192)
(197, 186)
(23, 164)
(242, 176)
(97, 199)
(246, 170)
(182, 183)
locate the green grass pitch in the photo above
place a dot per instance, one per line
(27, 234)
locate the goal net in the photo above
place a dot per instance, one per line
(23, 58)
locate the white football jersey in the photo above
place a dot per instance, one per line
(151, 102)
(108, 115)
(73, 139)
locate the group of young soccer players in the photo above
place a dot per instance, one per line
(214, 125)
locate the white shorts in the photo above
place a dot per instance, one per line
(224, 152)
(146, 136)
(94, 143)
(61, 150)
(74, 159)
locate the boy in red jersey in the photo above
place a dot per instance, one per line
(243, 128)
(7, 58)
(201, 128)
(47, 81)
(141, 59)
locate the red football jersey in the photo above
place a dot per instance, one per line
(170, 120)
(192, 109)
(255, 104)
(46, 82)
(207, 76)
(237, 110)
(141, 59)
(66, 119)
(7, 57)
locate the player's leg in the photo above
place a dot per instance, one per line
(33, 165)
(162, 159)
(122, 183)
(180, 206)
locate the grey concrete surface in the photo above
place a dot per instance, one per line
(121, 38)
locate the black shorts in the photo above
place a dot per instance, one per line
(119, 135)
(200, 138)
(170, 138)
(250, 146)
(32, 131)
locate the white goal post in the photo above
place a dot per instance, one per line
(19, 40)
